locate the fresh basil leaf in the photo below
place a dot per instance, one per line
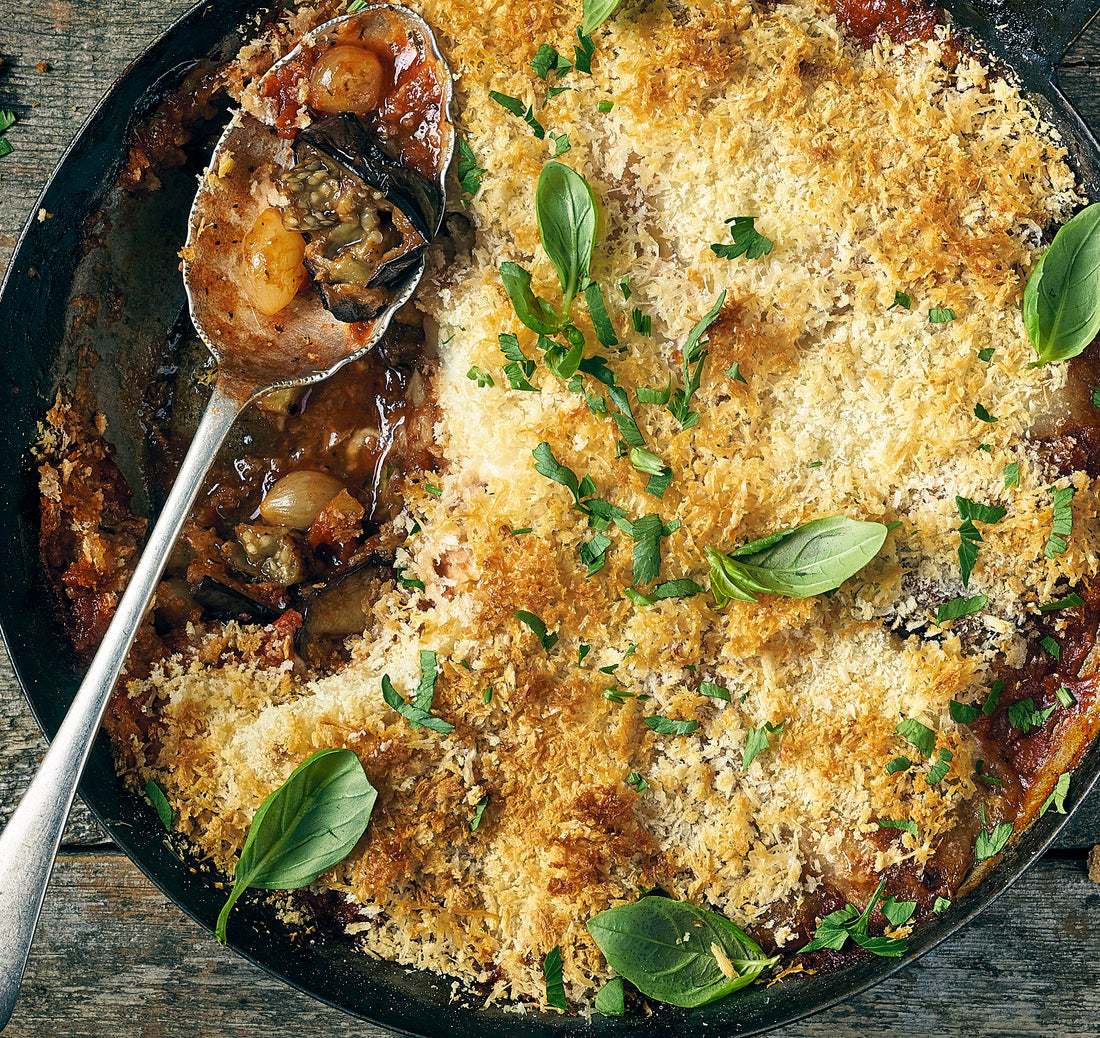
(610, 1000)
(566, 212)
(918, 735)
(670, 726)
(677, 953)
(693, 354)
(596, 12)
(415, 715)
(1057, 798)
(160, 802)
(547, 60)
(682, 588)
(582, 54)
(659, 483)
(597, 310)
(547, 638)
(307, 825)
(1061, 304)
(532, 310)
(642, 322)
(561, 140)
(555, 987)
(747, 241)
(806, 560)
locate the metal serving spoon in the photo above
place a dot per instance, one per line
(301, 344)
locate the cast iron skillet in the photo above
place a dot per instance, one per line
(136, 257)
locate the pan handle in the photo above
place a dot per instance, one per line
(1035, 35)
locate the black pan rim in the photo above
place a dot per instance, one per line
(378, 998)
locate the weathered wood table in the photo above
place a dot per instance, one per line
(114, 957)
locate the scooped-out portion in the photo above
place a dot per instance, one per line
(701, 552)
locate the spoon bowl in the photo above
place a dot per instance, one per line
(256, 353)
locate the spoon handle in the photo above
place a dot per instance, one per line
(29, 842)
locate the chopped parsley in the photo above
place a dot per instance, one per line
(849, 922)
(517, 107)
(548, 639)
(1071, 600)
(986, 354)
(939, 769)
(900, 823)
(479, 810)
(667, 726)
(991, 841)
(734, 372)
(993, 698)
(1062, 522)
(747, 240)
(1064, 696)
(469, 172)
(605, 106)
(637, 782)
(1057, 798)
(693, 354)
(547, 60)
(561, 143)
(1052, 647)
(709, 688)
(1025, 716)
(918, 735)
(983, 415)
(1012, 475)
(941, 314)
(961, 606)
(902, 300)
(969, 535)
(417, 713)
(519, 368)
(898, 764)
(963, 713)
(940, 905)
(757, 741)
(480, 376)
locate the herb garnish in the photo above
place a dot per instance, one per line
(836, 928)
(548, 639)
(961, 606)
(963, 713)
(469, 172)
(993, 698)
(1025, 716)
(1064, 696)
(803, 561)
(941, 314)
(596, 12)
(1061, 304)
(417, 713)
(747, 240)
(902, 300)
(983, 415)
(898, 764)
(709, 688)
(478, 812)
(939, 769)
(555, 987)
(1012, 475)
(307, 825)
(1052, 647)
(669, 726)
(1062, 522)
(969, 535)
(899, 823)
(757, 741)
(940, 905)
(693, 353)
(991, 841)
(610, 1000)
(1057, 798)
(1071, 600)
(517, 107)
(918, 735)
(160, 802)
(637, 782)
(480, 376)
(677, 953)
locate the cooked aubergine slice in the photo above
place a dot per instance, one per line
(367, 217)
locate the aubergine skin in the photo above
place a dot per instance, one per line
(367, 217)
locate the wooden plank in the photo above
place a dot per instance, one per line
(114, 957)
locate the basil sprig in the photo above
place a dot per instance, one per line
(567, 215)
(1061, 304)
(803, 561)
(677, 953)
(307, 825)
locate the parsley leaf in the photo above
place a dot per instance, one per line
(708, 688)
(647, 534)
(1025, 716)
(902, 300)
(469, 172)
(637, 782)
(479, 810)
(597, 310)
(918, 735)
(1062, 522)
(941, 314)
(517, 107)
(1057, 798)
(747, 241)
(963, 713)
(757, 741)
(898, 764)
(1071, 600)
(667, 726)
(961, 606)
(899, 823)
(983, 415)
(547, 60)
(991, 841)
(693, 353)
(939, 769)
(1012, 475)
(836, 928)
(548, 639)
